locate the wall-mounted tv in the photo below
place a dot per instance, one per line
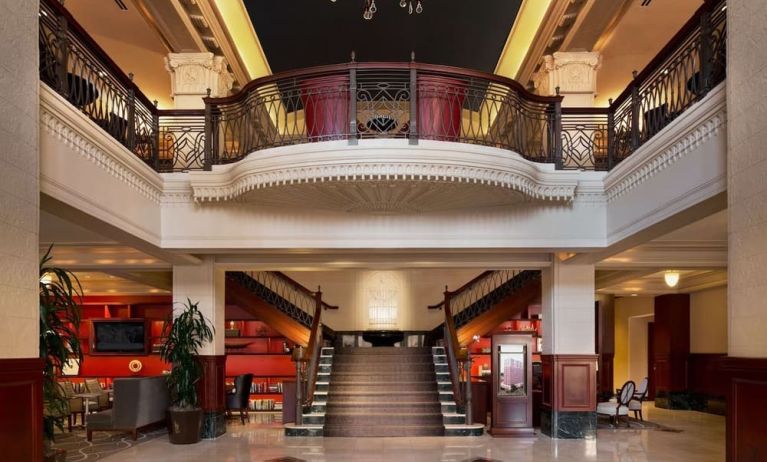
(118, 336)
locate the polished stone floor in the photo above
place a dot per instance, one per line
(701, 439)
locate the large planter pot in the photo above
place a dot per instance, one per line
(440, 103)
(184, 425)
(326, 106)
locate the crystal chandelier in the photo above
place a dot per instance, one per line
(371, 8)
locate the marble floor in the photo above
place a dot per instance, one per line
(702, 439)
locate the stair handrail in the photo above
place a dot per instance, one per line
(455, 355)
(298, 297)
(314, 350)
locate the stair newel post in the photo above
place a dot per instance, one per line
(298, 358)
(467, 391)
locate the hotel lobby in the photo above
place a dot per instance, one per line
(328, 230)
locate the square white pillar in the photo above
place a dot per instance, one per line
(568, 308)
(206, 284)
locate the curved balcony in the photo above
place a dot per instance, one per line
(356, 101)
(383, 100)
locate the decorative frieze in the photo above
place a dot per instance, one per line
(192, 74)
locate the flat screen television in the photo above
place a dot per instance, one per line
(119, 336)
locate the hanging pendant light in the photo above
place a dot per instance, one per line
(671, 278)
(371, 8)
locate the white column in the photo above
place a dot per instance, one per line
(19, 187)
(206, 284)
(574, 72)
(568, 309)
(192, 74)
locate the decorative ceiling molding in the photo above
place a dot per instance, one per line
(703, 121)
(384, 160)
(59, 118)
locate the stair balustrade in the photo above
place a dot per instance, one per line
(461, 306)
(408, 100)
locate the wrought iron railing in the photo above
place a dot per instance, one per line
(682, 73)
(354, 101)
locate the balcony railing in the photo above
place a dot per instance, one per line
(356, 101)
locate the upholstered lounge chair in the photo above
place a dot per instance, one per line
(138, 402)
(618, 407)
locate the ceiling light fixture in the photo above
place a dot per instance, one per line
(371, 8)
(671, 278)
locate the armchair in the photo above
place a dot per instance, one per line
(640, 395)
(93, 386)
(76, 405)
(238, 399)
(619, 407)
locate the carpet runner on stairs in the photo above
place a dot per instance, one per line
(383, 391)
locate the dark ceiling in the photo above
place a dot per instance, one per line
(304, 33)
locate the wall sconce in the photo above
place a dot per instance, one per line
(671, 278)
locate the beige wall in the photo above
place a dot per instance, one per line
(415, 290)
(708, 321)
(19, 191)
(746, 170)
(631, 317)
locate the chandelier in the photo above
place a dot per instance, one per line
(371, 8)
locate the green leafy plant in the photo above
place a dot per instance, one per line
(60, 298)
(188, 332)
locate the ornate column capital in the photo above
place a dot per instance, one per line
(574, 72)
(193, 73)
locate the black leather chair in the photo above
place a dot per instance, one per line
(238, 399)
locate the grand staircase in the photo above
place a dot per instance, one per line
(383, 392)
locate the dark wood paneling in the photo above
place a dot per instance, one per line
(605, 373)
(705, 374)
(211, 388)
(480, 401)
(21, 402)
(569, 382)
(746, 405)
(671, 342)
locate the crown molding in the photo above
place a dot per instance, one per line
(75, 129)
(385, 160)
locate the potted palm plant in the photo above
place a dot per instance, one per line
(187, 333)
(60, 297)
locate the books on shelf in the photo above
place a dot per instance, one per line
(266, 387)
(265, 405)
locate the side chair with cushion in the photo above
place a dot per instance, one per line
(238, 399)
(618, 407)
(640, 395)
(93, 386)
(76, 405)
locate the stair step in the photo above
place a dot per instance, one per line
(303, 430)
(464, 430)
(383, 387)
(359, 418)
(396, 406)
(384, 430)
(379, 351)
